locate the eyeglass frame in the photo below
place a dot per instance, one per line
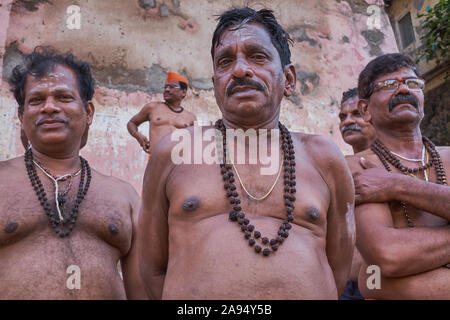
(376, 87)
(171, 86)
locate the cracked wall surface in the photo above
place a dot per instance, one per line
(132, 44)
(436, 124)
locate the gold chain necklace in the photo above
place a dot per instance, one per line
(271, 188)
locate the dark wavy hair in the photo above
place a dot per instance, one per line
(350, 93)
(238, 17)
(40, 62)
(379, 66)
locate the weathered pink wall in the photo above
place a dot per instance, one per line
(132, 44)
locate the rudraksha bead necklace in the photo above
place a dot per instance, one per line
(60, 198)
(425, 157)
(61, 227)
(172, 109)
(387, 157)
(253, 236)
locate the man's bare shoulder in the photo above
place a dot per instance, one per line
(353, 161)
(114, 184)
(163, 149)
(190, 114)
(152, 106)
(326, 157)
(13, 177)
(11, 166)
(314, 140)
(320, 147)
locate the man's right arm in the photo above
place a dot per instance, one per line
(397, 251)
(132, 126)
(375, 184)
(153, 222)
(433, 285)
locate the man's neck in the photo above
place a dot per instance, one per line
(407, 143)
(58, 164)
(269, 124)
(359, 148)
(174, 105)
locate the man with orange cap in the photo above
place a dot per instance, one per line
(164, 117)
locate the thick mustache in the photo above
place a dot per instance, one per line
(353, 127)
(401, 98)
(244, 82)
(43, 119)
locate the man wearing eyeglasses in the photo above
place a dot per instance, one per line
(402, 199)
(164, 117)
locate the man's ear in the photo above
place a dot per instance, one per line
(90, 110)
(363, 107)
(291, 79)
(20, 115)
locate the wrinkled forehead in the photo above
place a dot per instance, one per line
(404, 72)
(247, 34)
(57, 77)
(350, 105)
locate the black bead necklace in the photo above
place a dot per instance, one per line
(176, 111)
(253, 236)
(387, 157)
(64, 227)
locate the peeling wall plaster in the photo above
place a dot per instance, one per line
(132, 44)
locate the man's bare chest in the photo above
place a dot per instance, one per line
(198, 192)
(169, 118)
(105, 218)
(404, 215)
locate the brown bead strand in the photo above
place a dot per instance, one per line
(62, 228)
(436, 160)
(65, 192)
(387, 157)
(381, 155)
(253, 236)
(396, 162)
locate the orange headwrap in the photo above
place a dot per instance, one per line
(172, 76)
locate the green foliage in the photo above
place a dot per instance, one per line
(436, 38)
